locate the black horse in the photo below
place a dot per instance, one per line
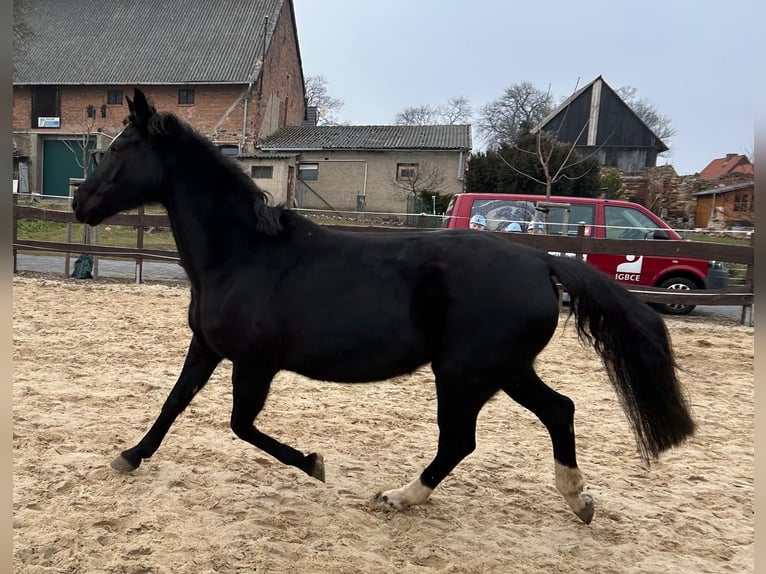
(271, 290)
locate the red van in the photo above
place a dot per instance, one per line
(604, 219)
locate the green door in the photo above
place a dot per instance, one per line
(61, 160)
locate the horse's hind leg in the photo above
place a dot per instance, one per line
(199, 365)
(250, 388)
(458, 406)
(556, 412)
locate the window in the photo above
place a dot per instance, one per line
(627, 223)
(262, 171)
(229, 149)
(578, 212)
(406, 171)
(114, 97)
(743, 202)
(185, 97)
(46, 110)
(308, 171)
(501, 214)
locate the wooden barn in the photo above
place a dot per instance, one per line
(598, 121)
(727, 206)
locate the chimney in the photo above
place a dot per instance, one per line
(730, 156)
(311, 116)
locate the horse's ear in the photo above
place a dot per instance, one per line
(140, 110)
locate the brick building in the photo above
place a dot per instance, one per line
(231, 68)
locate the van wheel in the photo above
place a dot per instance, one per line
(680, 284)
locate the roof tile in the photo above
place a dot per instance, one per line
(730, 164)
(140, 41)
(306, 137)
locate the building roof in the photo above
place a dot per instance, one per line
(725, 189)
(267, 155)
(306, 137)
(595, 93)
(730, 164)
(112, 42)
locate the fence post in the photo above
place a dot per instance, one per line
(747, 310)
(140, 246)
(15, 229)
(580, 235)
(74, 182)
(95, 257)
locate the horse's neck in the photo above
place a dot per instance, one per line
(209, 225)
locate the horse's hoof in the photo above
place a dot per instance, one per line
(317, 469)
(586, 512)
(389, 501)
(121, 464)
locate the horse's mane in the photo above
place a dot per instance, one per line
(268, 218)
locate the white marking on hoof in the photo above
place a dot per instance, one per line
(570, 483)
(400, 498)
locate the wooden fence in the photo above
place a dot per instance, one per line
(579, 245)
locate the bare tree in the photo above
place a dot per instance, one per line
(661, 125)
(421, 180)
(317, 96)
(457, 110)
(557, 160)
(500, 120)
(417, 116)
(554, 167)
(82, 145)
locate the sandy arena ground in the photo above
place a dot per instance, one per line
(93, 363)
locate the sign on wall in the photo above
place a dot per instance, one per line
(48, 122)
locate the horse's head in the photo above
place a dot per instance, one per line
(130, 173)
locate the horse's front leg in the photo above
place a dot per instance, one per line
(199, 365)
(251, 384)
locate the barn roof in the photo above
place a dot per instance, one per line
(133, 42)
(725, 189)
(307, 137)
(595, 91)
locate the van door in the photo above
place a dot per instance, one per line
(562, 223)
(623, 222)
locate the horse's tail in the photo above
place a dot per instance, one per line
(634, 344)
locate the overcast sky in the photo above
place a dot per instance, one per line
(692, 58)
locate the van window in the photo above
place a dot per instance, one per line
(578, 212)
(502, 213)
(627, 223)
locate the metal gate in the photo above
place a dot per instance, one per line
(62, 160)
(420, 214)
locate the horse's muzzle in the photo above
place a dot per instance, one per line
(82, 213)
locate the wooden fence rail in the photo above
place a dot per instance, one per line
(578, 245)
